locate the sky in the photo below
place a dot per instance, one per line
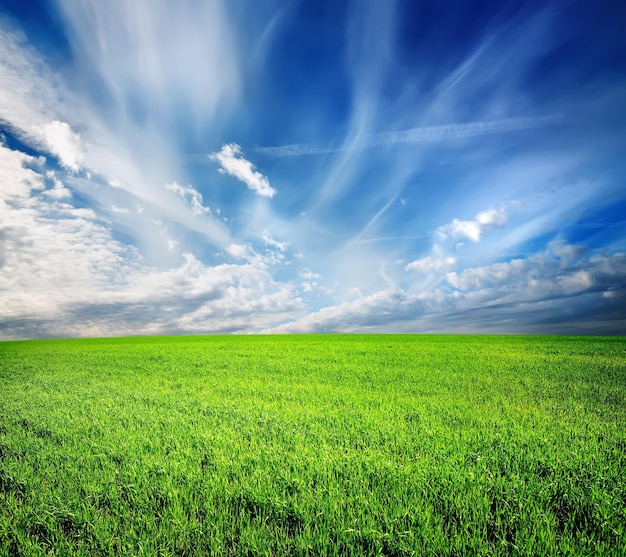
(312, 166)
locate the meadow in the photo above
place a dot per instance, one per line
(313, 445)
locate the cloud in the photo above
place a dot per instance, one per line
(114, 147)
(234, 164)
(424, 134)
(473, 229)
(516, 294)
(541, 278)
(64, 143)
(29, 92)
(311, 279)
(63, 273)
(191, 195)
(430, 264)
(59, 191)
(375, 312)
(567, 253)
(494, 275)
(269, 241)
(158, 59)
(31, 100)
(309, 275)
(116, 242)
(240, 251)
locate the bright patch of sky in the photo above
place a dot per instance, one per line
(312, 166)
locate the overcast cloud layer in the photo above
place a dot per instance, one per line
(312, 166)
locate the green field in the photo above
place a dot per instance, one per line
(313, 445)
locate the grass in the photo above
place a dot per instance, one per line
(313, 445)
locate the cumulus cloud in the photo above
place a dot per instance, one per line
(517, 294)
(64, 143)
(567, 253)
(492, 276)
(377, 312)
(59, 191)
(18, 178)
(240, 251)
(430, 264)
(233, 163)
(310, 279)
(473, 229)
(542, 276)
(63, 273)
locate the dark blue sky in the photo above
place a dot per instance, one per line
(312, 166)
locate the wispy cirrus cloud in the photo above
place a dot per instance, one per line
(147, 57)
(233, 163)
(425, 134)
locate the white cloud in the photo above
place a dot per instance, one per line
(424, 134)
(309, 275)
(373, 312)
(543, 275)
(52, 252)
(191, 195)
(269, 241)
(114, 147)
(240, 251)
(62, 273)
(170, 243)
(310, 279)
(174, 58)
(64, 143)
(430, 264)
(29, 93)
(59, 191)
(516, 294)
(492, 217)
(16, 179)
(493, 275)
(473, 229)
(233, 163)
(567, 253)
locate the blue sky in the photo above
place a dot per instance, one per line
(312, 166)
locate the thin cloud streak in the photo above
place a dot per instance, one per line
(424, 134)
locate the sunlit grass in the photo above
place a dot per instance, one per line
(313, 445)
